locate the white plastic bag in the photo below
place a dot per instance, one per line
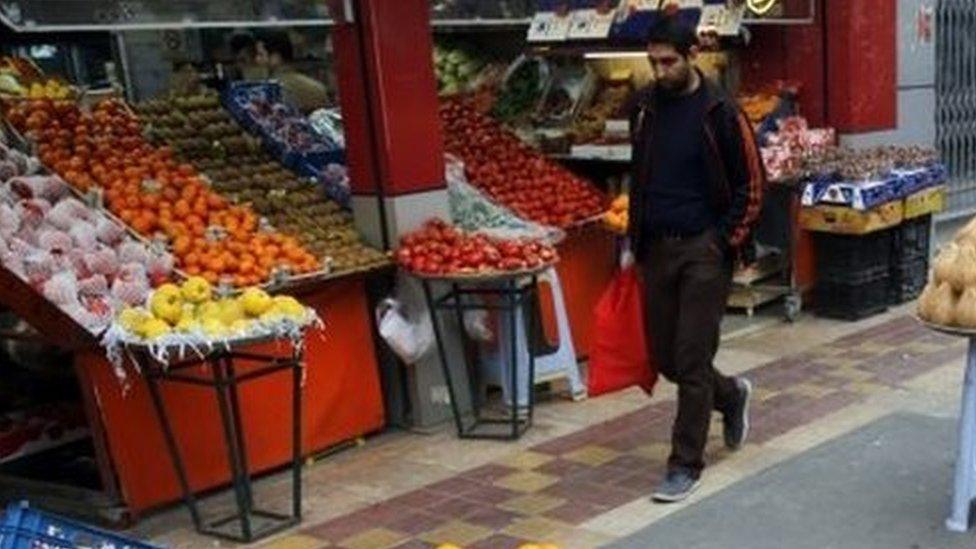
(410, 340)
(476, 325)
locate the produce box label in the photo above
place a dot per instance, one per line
(590, 25)
(721, 20)
(926, 202)
(549, 27)
(842, 220)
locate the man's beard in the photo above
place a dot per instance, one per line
(676, 86)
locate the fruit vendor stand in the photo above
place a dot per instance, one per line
(230, 365)
(124, 426)
(461, 272)
(344, 361)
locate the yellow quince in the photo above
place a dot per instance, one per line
(255, 301)
(166, 303)
(196, 289)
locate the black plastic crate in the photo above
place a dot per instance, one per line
(910, 240)
(908, 279)
(862, 295)
(841, 258)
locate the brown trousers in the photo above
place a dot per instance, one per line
(687, 285)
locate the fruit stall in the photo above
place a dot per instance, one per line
(108, 213)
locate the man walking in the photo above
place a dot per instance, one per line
(696, 193)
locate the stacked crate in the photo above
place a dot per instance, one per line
(853, 274)
(909, 259)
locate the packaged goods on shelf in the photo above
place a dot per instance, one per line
(240, 169)
(570, 85)
(608, 104)
(328, 124)
(522, 90)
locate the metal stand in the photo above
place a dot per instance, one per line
(964, 486)
(774, 278)
(509, 296)
(248, 523)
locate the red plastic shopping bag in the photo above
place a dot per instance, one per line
(619, 356)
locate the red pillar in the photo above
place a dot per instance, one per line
(862, 65)
(388, 95)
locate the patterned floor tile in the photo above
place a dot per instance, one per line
(455, 508)
(546, 491)
(297, 541)
(562, 468)
(592, 455)
(500, 541)
(526, 481)
(377, 538)
(417, 522)
(538, 528)
(416, 544)
(526, 460)
(458, 533)
(532, 504)
(493, 518)
(574, 512)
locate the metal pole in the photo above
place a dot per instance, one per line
(174, 452)
(233, 453)
(442, 354)
(513, 304)
(235, 410)
(296, 426)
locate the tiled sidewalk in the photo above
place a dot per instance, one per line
(546, 492)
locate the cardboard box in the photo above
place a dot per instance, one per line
(929, 201)
(843, 220)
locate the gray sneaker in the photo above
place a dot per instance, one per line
(736, 420)
(677, 485)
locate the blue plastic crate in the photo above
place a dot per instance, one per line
(24, 527)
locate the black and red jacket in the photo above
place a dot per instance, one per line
(735, 169)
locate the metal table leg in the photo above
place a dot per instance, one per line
(963, 487)
(235, 453)
(174, 452)
(511, 299)
(442, 354)
(253, 523)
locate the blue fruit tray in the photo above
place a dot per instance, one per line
(865, 195)
(24, 527)
(318, 153)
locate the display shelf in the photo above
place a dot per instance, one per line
(54, 325)
(587, 158)
(44, 443)
(40, 16)
(751, 298)
(480, 24)
(764, 269)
